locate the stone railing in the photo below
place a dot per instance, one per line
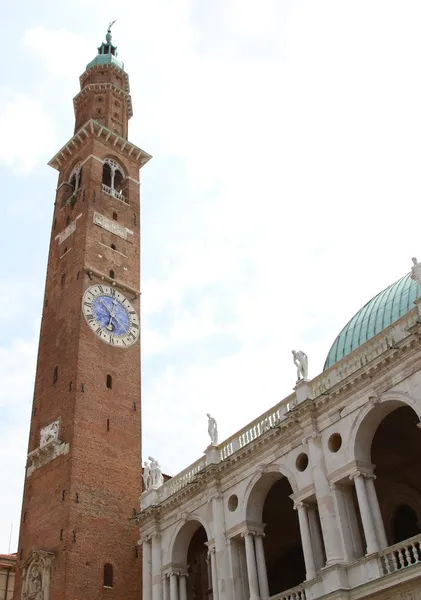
(401, 556)
(360, 358)
(297, 593)
(271, 418)
(182, 479)
(113, 193)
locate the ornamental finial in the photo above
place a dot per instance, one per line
(109, 36)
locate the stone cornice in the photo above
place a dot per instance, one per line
(91, 130)
(104, 68)
(99, 87)
(114, 282)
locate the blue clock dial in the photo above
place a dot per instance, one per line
(110, 315)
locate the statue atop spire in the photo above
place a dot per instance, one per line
(108, 37)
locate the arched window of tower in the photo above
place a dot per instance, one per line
(73, 184)
(113, 178)
(109, 381)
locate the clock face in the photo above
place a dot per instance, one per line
(110, 315)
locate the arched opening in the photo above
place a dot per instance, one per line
(106, 175)
(111, 274)
(115, 216)
(405, 523)
(118, 181)
(396, 452)
(109, 382)
(190, 551)
(270, 503)
(198, 584)
(108, 575)
(113, 177)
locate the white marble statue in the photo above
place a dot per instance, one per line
(416, 271)
(156, 476)
(146, 475)
(212, 429)
(301, 362)
(49, 434)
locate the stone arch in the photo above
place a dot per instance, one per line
(189, 553)
(269, 506)
(402, 494)
(369, 419)
(182, 536)
(259, 486)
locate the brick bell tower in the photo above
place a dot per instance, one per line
(83, 475)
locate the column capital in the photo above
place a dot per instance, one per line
(300, 504)
(355, 475)
(244, 534)
(365, 474)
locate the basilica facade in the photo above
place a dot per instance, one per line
(320, 496)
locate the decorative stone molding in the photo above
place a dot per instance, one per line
(111, 226)
(50, 447)
(36, 575)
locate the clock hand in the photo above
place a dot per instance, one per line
(109, 326)
(103, 304)
(119, 322)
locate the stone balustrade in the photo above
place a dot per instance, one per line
(267, 420)
(113, 193)
(401, 556)
(182, 479)
(297, 593)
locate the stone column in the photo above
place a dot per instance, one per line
(343, 521)
(166, 586)
(156, 567)
(251, 566)
(375, 509)
(328, 520)
(306, 540)
(173, 586)
(146, 570)
(215, 595)
(225, 591)
(316, 536)
(183, 585)
(365, 512)
(261, 567)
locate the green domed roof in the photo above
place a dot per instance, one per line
(107, 53)
(382, 310)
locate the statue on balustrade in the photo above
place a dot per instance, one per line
(416, 271)
(156, 477)
(301, 362)
(212, 430)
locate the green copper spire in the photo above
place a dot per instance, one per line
(107, 53)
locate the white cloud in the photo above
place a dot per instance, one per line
(27, 132)
(17, 367)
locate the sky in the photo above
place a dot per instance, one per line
(283, 194)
